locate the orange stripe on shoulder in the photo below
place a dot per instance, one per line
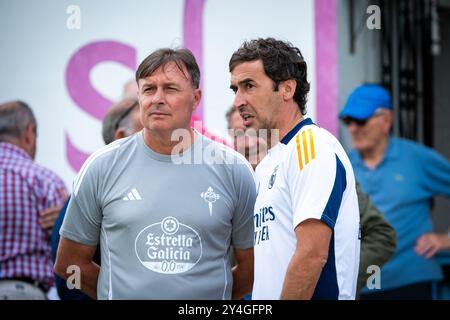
(299, 153)
(311, 144)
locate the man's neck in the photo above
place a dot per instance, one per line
(162, 143)
(286, 124)
(373, 157)
(17, 143)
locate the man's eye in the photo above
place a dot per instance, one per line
(249, 85)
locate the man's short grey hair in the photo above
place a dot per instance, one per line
(118, 116)
(15, 116)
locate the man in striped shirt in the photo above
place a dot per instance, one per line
(28, 194)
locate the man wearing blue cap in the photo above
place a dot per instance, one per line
(401, 178)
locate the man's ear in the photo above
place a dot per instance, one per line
(29, 136)
(197, 98)
(28, 139)
(120, 133)
(287, 88)
(388, 119)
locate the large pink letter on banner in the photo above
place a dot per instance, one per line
(81, 90)
(193, 39)
(326, 64)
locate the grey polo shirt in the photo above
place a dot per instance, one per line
(165, 224)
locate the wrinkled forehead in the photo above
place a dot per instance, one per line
(247, 69)
(171, 71)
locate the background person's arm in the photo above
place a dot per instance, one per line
(310, 256)
(242, 273)
(436, 182)
(48, 217)
(73, 253)
(56, 199)
(430, 243)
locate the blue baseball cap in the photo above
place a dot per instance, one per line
(365, 100)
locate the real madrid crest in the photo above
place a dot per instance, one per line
(273, 177)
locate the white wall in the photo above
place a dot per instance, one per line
(37, 45)
(363, 65)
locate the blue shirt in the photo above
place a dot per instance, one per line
(402, 187)
(64, 292)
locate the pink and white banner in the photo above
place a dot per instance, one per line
(70, 59)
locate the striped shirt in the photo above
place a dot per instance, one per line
(26, 189)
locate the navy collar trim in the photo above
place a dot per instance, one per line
(296, 129)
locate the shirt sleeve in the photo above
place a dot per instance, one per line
(243, 227)
(57, 193)
(316, 179)
(437, 173)
(82, 221)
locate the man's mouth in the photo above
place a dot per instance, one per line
(158, 114)
(248, 119)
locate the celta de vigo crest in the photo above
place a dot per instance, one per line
(210, 196)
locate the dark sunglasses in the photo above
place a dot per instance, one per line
(348, 121)
(125, 114)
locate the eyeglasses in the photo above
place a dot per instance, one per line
(360, 122)
(125, 114)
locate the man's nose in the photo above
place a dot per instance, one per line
(158, 97)
(239, 100)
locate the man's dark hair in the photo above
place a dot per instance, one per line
(281, 60)
(163, 56)
(15, 116)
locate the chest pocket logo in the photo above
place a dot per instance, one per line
(273, 177)
(210, 196)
